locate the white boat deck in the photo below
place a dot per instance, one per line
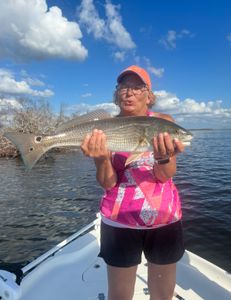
(74, 272)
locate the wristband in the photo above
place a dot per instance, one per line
(162, 161)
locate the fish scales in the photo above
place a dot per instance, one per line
(123, 134)
(119, 134)
(129, 134)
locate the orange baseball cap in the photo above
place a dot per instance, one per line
(144, 76)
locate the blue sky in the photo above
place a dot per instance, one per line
(70, 53)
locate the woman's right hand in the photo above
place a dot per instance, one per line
(94, 145)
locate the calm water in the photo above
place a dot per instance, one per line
(40, 208)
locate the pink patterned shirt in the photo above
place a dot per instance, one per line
(139, 200)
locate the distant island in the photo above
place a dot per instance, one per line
(202, 129)
(208, 129)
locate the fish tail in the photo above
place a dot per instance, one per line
(29, 145)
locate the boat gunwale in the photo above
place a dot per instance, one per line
(32, 265)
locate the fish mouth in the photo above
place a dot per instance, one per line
(186, 140)
(185, 136)
(188, 137)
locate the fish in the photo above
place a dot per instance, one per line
(123, 134)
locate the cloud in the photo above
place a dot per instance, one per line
(193, 112)
(111, 29)
(31, 81)
(86, 95)
(34, 81)
(171, 103)
(229, 37)
(143, 60)
(83, 108)
(169, 41)
(32, 31)
(157, 72)
(10, 86)
(147, 31)
(119, 55)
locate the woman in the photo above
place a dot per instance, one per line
(141, 209)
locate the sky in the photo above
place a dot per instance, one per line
(71, 52)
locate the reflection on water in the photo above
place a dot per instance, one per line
(60, 195)
(204, 181)
(45, 205)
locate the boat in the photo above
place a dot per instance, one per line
(72, 270)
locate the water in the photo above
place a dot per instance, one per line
(60, 195)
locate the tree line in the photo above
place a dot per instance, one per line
(30, 116)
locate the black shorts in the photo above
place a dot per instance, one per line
(123, 247)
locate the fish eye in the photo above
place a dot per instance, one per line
(31, 149)
(38, 139)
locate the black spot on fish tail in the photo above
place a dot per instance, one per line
(29, 146)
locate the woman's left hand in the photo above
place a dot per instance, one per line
(165, 147)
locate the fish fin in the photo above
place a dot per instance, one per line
(98, 114)
(133, 157)
(137, 152)
(29, 146)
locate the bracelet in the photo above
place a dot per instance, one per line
(162, 161)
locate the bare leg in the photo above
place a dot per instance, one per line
(161, 281)
(121, 282)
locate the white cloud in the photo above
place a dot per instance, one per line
(193, 112)
(86, 95)
(167, 101)
(31, 30)
(31, 81)
(117, 32)
(34, 81)
(120, 55)
(83, 108)
(10, 86)
(169, 41)
(111, 29)
(229, 37)
(171, 103)
(89, 17)
(158, 72)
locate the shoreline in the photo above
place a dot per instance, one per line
(7, 149)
